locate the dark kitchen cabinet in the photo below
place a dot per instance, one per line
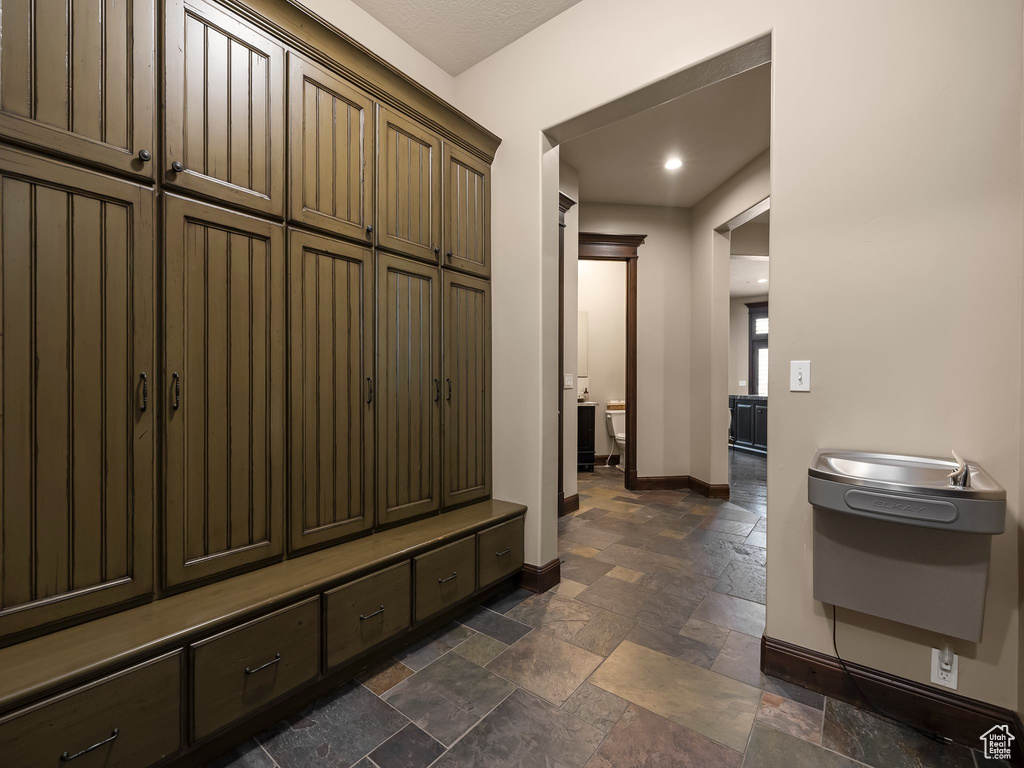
(748, 427)
(585, 437)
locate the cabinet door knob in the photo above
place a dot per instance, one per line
(177, 167)
(448, 255)
(144, 155)
(369, 230)
(437, 250)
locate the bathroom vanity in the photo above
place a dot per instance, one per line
(748, 423)
(585, 440)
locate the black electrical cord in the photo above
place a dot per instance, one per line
(871, 704)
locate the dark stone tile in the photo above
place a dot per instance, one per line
(678, 583)
(667, 611)
(506, 601)
(746, 581)
(692, 556)
(247, 755)
(449, 697)
(642, 739)
(479, 649)
(585, 570)
(433, 646)
(494, 625)
(542, 664)
(772, 748)
(732, 613)
(740, 659)
(645, 560)
(525, 732)
(560, 616)
(639, 603)
(409, 748)
(732, 527)
(592, 537)
(792, 691)
(335, 730)
(730, 511)
(863, 736)
(593, 513)
(384, 676)
(680, 646)
(596, 706)
(604, 632)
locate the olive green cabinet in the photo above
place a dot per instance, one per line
(79, 80)
(408, 389)
(224, 114)
(331, 141)
(222, 390)
(331, 401)
(408, 187)
(77, 391)
(467, 212)
(467, 387)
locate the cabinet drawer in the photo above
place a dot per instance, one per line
(367, 612)
(236, 672)
(130, 719)
(444, 577)
(500, 551)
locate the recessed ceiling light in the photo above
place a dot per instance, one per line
(673, 163)
(763, 280)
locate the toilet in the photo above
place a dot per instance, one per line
(615, 422)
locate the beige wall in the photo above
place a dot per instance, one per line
(739, 348)
(750, 240)
(663, 329)
(569, 184)
(602, 295)
(912, 176)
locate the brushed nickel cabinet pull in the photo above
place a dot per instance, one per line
(145, 392)
(67, 756)
(250, 671)
(177, 390)
(364, 617)
(447, 578)
(505, 551)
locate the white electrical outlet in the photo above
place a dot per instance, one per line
(946, 677)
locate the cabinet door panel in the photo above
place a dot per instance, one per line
(224, 113)
(409, 187)
(331, 130)
(467, 212)
(80, 83)
(467, 386)
(409, 388)
(77, 463)
(224, 338)
(331, 357)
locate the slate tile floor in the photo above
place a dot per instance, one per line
(645, 656)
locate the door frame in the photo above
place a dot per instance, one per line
(596, 246)
(564, 204)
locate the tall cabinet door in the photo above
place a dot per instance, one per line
(79, 79)
(409, 187)
(331, 130)
(467, 212)
(224, 112)
(467, 389)
(408, 389)
(77, 391)
(223, 389)
(331, 369)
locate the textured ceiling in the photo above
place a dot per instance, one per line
(715, 130)
(456, 34)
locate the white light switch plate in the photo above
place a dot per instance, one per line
(568, 383)
(743, 382)
(799, 375)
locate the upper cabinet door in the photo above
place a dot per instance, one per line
(467, 212)
(224, 114)
(408, 389)
(331, 368)
(79, 79)
(331, 140)
(409, 187)
(467, 388)
(223, 389)
(77, 391)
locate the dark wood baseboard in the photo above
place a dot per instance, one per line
(939, 711)
(567, 504)
(600, 461)
(719, 491)
(541, 578)
(666, 483)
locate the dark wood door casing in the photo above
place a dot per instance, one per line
(224, 83)
(224, 379)
(331, 369)
(95, 109)
(77, 391)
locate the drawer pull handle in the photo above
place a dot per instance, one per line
(363, 617)
(505, 551)
(447, 578)
(251, 671)
(67, 756)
